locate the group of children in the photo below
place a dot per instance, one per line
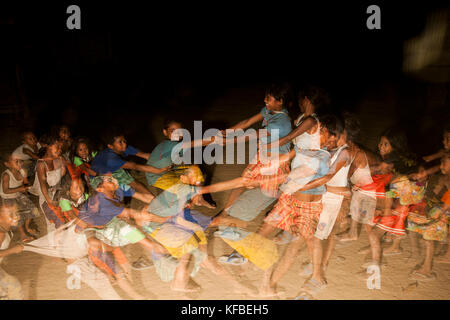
(311, 180)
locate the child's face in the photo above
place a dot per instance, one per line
(446, 140)
(305, 105)
(9, 216)
(14, 163)
(384, 146)
(108, 186)
(273, 104)
(82, 150)
(445, 165)
(64, 133)
(76, 190)
(30, 139)
(326, 139)
(54, 150)
(172, 132)
(119, 145)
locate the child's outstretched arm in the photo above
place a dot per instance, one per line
(322, 180)
(144, 167)
(434, 156)
(244, 124)
(6, 252)
(30, 153)
(307, 124)
(143, 155)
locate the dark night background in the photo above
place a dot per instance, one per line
(130, 63)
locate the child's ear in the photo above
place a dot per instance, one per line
(109, 146)
(165, 132)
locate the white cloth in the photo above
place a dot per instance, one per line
(20, 154)
(331, 205)
(306, 140)
(5, 244)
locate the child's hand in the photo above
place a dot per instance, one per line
(162, 170)
(25, 188)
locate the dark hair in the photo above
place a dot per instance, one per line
(6, 155)
(352, 126)
(48, 140)
(57, 128)
(446, 128)
(76, 143)
(110, 135)
(397, 139)
(169, 121)
(318, 96)
(280, 92)
(332, 123)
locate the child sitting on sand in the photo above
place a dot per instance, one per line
(10, 287)
(111, 161)
(14, 185)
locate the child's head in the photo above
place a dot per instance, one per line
(105, 184)
(393, 140)
(311, 99)
(190, 175)
(446, 138)
(445, 163)
(8, 213)
(276, 97)
(54, 147)
(331, 129)
(76, 189)
(171, 129)
(81, 148)
(352, 127)
(64, 132)
(11, 161)
(29, 138)
(115, 140)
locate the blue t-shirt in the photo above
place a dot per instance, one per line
(276, 121)
(160, 158)
(100, 209)
(107, 161)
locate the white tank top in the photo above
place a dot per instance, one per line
(5, 244)
(306, 140)
(53, 178)
(362, 176)
(13, 183)
(21, 155)
(340, 179)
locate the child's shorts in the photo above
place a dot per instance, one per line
(118, 233)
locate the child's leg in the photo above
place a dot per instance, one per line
(226, 220)
(181, 276)
(395, 247)
(125, 286)
(352, 234)
(139, 187)
(375, 235)
(266, 230)
(427, 264)
(317, 259)
(152, 246)
(10, 287)
(414, 243)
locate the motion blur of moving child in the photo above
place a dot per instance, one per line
(64, 135)
(111, 161)
(432, 221)
(28, 152)
(14, 186)
(10, 287)
(161, 157)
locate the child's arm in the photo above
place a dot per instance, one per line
(434, 156)
(6, 252)
(144, 167)
(305, 126)
(91, 172)
(322, 180)
(146, 198)
(141, 216)
(248, 122)
(30, 153)
(8, 190)
(143, 155)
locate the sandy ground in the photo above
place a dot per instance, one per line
(44, 277)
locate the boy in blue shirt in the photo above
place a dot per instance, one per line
(111, 161)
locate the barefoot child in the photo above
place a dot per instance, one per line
(111, 161)
(14, 185)
(10, 287)
(432, 222)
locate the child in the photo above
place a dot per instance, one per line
(14, 186)
(111, 160)
(28, 152)
(49, 171)
(161, 158)
(10, 287)
(81, 157)
(299, 213)
(433, 225)
(63, 133)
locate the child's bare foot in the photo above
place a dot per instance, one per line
(190, 287)
(267, 292)
(348, 237)
(364, 250)
(422, 275)
(391, 251)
